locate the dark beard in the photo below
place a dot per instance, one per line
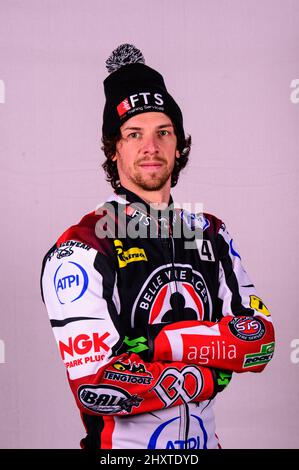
(154, 184)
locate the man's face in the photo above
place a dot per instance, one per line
(146, 152)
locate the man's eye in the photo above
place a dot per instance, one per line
(133, 135)
(164, 132)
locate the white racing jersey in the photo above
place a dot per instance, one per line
(151, 327)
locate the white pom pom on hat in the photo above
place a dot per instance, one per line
(124, 54)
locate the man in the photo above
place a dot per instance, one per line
(150, 305)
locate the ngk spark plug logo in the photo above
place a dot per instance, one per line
(70, 282)
(82, 344)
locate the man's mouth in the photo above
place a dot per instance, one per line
(151, 165)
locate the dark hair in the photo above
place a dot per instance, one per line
(110, 167)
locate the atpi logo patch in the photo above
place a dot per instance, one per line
(70, 282)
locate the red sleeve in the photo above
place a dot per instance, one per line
(238, 344)
(80, 292)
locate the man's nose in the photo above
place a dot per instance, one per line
(150, 144)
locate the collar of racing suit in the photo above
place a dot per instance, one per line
(134, 198)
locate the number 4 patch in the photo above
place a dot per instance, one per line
(205, 250)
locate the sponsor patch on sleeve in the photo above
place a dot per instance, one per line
(247, 328)
(257, 304)
(105, 399)
(262, 357)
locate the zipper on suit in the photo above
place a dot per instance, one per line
(169, 245)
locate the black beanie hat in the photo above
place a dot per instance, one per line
(133, 88)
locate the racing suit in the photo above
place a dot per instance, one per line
(151, 327)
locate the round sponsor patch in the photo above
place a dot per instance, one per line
(70, 282)
(247, 328)
(170, 288)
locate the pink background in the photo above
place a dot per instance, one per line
(230, 65)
